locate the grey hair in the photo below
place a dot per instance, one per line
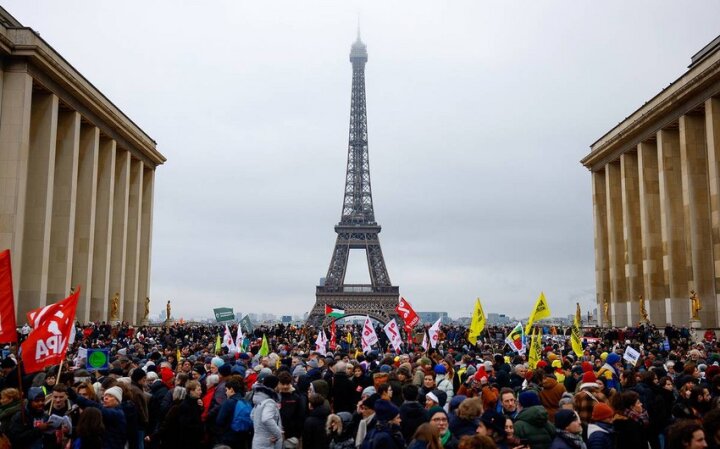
(179, 393)
(211, 380)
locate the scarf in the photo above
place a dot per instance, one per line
(445, 438)
(641, 418)
(572, 439)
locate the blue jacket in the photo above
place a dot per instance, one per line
(114, 419)
(600, 435)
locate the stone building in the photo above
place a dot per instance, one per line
(76, 184)
(656, 203)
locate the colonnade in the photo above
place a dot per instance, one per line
(657, 223)
(76, 201)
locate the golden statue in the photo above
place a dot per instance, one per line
(114, 303)
(147, 308)
(606, 310)
(167, 309)
(695, 305)
(643, 312)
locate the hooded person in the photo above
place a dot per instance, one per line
(550, 395)
(610, 372)
(442, 382)
(532, 422)
(27, 428)
(386, 433)
(314, 433)
(588, 395)
(600, 432)
(340, 431)
(266, 415)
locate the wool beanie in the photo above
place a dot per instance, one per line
(116, 392)
(612, 359)
(564, 418)
(494, 421)
(528, 399)
(34, 392)
(385, 410)
(434, 410)
(589, 377)
(601, 412)
(217, 361)
(271, 381)
(440, 369)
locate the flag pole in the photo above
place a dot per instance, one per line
(20, 387)
(57, 380)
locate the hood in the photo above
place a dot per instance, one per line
(412, 410)
(321, 412)
(321, 387)
(261, 393)
(549, 383)
(535, 415)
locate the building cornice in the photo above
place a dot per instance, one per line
(25, 44)
(680, 97)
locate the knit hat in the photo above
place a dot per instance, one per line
(435, 409)
(34, 392)
(456, 400)
(225, 370)
(115, 392)
(430, 395)
(440, 369)
(541, 364)
(602, 411)
(385, 410)
(564, 418)
(494, 421)
(271, 381)
(528, 399)
(589, 377)
(566, 398)
(137, 375)
(217, 361)
(441, 397)
(368, 391)
(586, 366)
(612, 359)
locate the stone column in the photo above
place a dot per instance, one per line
(696, 203)
(712, 131)
(672, 224)
(602, 268)
(15, 108)
(119, 227)
(84, 238)
(145, 242)
(102, 245)
(63, 206)
(632, 234)
(38, 210)
(134, 223)
(653, 276)
(616, 244)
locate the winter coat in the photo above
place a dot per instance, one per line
(359, 384)
(321, 387)
(158, 390)
(384, 436)
(313, 434)
(113, 418)
(266, 418)
(342, 393)
(461, 427)
(224, 432)
(445, 384)
(562, 442)
(7, 412)
(292, 413)
(412, 415)
(629, 434)
(190, 421)
(600, 436)
(22, 432)
(550, 396)
(532, 424)
(585, 400)
(417, 444)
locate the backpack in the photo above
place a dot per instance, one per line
(241, 421)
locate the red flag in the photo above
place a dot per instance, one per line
(333, 340)
(52, 328)
(8, 329)
(406, 312)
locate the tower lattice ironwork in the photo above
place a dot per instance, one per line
(357, 228)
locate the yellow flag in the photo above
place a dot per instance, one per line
(575, 338)
(265, 347)
(348, 338)
(535, 349)
(540, 311)
(478, 322)
(178, 356)
(218, 345)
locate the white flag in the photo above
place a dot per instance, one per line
(320, 343)
(425, 343)
(369, 337)
(393, 334)
(434, 333)
(228, 340)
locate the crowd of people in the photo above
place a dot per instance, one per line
(170, 387)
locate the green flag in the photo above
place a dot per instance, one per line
(218, 345)
(265, 348)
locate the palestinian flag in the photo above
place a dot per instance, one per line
(334, 312)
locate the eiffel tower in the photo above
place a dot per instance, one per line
(357, 228)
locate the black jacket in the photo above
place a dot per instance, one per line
(341, 391)
(314, 435)
(292, 413)
(412, 415)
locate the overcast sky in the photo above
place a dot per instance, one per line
(478, 113)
